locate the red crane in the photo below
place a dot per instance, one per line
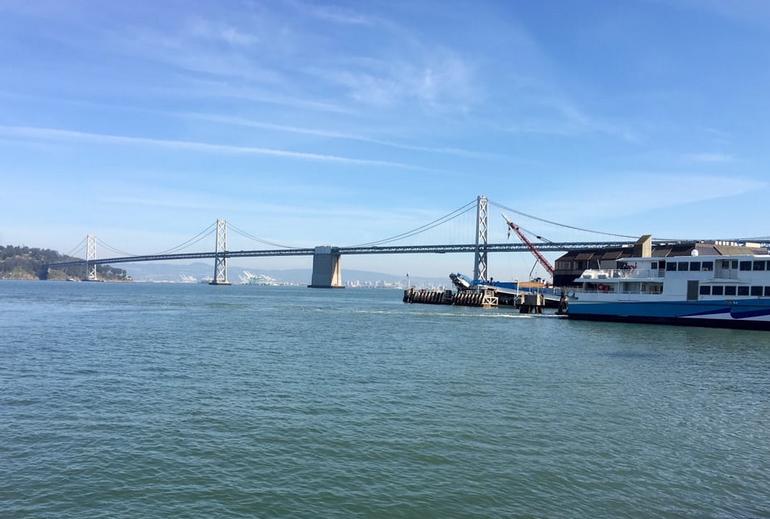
(540, 258)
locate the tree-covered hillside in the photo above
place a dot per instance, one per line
(19, 262)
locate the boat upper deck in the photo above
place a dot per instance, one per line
(740, 276)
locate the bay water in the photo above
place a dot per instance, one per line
(150, 400)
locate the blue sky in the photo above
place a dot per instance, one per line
(309, 123)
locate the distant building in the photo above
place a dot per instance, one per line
(572, 264)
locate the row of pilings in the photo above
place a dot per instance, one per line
(482, 298)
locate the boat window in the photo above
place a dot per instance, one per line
(670, 267)
(745, 265)
(759, 265)
(756, 291)
(729, 291)
(683, 266)
(767, 291)
(743, 291)
(654, 265)
(707, 266)
(705, 290)
(725, 264)
(718, 290)
(661, 265)
(695, 266)
(735, 264)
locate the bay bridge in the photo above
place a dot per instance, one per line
(327, 271)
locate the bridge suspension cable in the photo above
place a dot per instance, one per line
(470, 206)
(181, 246)
(250, 236)
(109, 247)
(78, 247)
(559, 224)
(205, 233)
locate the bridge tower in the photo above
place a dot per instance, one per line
(90, 257)
(220, 254)
(482, 235)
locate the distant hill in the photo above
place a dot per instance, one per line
(20, 262)
(199, 270)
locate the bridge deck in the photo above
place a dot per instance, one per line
(396, 249)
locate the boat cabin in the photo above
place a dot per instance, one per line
(689, 278)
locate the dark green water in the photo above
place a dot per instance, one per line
(197, 401)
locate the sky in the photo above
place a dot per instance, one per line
(309, 123)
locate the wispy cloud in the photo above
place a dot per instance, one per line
(249, 123)
(203, 88)
(556, 115)
(219, 31)
(178, 200)
(189, 50)
(56, 134)
(621, 196)
(746, 11)
(238, 121)
(439, 79)
(708, 157)
(331, 13)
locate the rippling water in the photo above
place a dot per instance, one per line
(196, 401)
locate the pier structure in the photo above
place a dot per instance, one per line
(327, 272)
(485, 297)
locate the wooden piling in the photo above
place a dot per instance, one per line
(485, 298)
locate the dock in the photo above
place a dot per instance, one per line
(485, 297)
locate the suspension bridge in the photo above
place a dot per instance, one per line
(327, 271)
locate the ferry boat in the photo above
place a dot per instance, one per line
(717, 291)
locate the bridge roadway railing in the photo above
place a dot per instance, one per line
(187, 255)
(395, 249)
(471, 247)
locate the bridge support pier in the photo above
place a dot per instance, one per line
(327, 272)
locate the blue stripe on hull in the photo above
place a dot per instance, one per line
(740, 324)
(746, 313)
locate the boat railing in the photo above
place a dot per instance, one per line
(600, 274)
(578, 291)
(723, 273)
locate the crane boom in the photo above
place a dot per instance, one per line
(531, 246)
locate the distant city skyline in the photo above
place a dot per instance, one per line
(313, 123)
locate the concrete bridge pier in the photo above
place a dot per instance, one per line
(327, 272)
